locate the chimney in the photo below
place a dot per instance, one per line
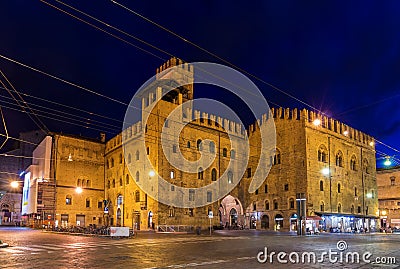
(103, 137)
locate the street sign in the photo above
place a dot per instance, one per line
(210, 215)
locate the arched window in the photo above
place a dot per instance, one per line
(277, 157)
(172, 174)
(83, 183)
(120, 200)
(266, 205)
(230, 177)
(113, 183)
(214, 174)
(68, 200)
(127, 179)
(366, 166)
(108, 164)
(188, 144)
(200, 173)
(291, 203)
(233, 154)
(129, 158)
(112, 162)
(120, 181)
(355, 191)
(137, 155)
(108, 184)
(137, 196)
(120, 158)
(199, 145)
(322, 154)
(339, 188)
(137, 176)
(78, 183)
(171, 212)
(276, 204)
(339, 159)
(353, 163)
(352, 209)
(88, 183)
(87, 202)
(224, 152)
(212, 147)
(339, 208)
(321, 185)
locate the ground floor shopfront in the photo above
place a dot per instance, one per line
(345, 223)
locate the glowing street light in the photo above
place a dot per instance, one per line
(369, 195)
(78, 190)
(325, 171)
(371, 143)
(14, 184)
(317, 122)
(387, 162)
(346, 133)
(152, 173)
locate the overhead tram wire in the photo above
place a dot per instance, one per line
(121, 39)
(64, 121)
(228, 62)
(5, 128)
(67, 106)
(216, 56)
(102, 30)
(63, 80)
(184, 39)
(61, 113)
(35, 119)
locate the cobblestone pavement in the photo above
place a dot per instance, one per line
(226, 249)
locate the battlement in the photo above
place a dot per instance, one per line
(309, 117)
(171, 63)
(213, 121)
(131, 132)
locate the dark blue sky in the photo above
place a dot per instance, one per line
(341, 57)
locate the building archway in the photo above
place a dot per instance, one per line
(278, 222)
(150, 220)
(253, 222)
(119, 218)
(231, 211)
(293, 222)
(233, 218)
(265, 222)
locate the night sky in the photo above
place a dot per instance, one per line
(341, 57)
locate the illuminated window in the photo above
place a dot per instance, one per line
(68, 200)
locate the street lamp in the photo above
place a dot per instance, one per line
(14, 184)
(152, 173)
(387, 161)
(325, 171)
(78, 190)
(317, 122)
